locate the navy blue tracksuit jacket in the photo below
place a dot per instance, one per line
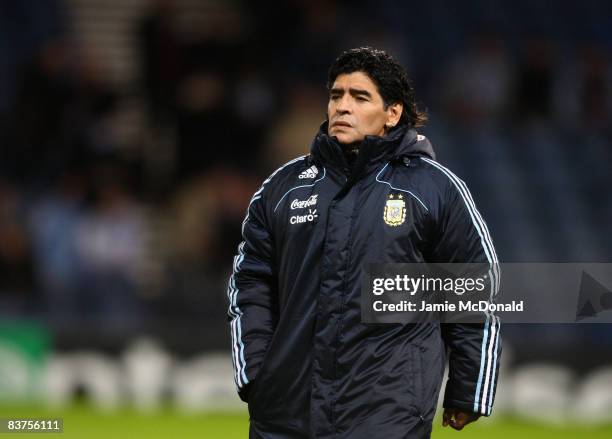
(303, 360)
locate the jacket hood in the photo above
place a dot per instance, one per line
(400, 142)
(413, 144)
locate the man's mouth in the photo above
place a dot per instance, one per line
(341, 124)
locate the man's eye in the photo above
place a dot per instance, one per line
(361, 99)
(333, 97)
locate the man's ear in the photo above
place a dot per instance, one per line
(394, 113)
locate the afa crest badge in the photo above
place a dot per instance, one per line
(395, 210)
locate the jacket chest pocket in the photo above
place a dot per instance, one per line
(412, 387)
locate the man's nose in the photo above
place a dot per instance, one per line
(343, 105)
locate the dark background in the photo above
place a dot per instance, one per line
(133, 133)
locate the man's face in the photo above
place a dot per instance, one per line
(356, 109)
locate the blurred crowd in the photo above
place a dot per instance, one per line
(103, 231)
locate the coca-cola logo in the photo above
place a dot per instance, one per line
(301, 204)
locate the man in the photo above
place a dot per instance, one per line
(304, 361)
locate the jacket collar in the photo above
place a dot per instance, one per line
(400, 142)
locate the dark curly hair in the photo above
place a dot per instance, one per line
(388, 75)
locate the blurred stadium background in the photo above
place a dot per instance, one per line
(133, 133)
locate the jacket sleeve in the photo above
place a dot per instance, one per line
(251, 293)
(474, 349)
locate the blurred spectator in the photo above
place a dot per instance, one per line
(274, 31)
(583, 94)
(208, 214)
(112, 247)
(298, 124)
(255, 104)
(205, 220)
(16, 278)
(535, 80)
(232, 191)
(54, 220)
(479, 82)
(208, 131)
(39, 138)
(161, 59)
(317, 40)
(596, 90)
(60, 102)
(24, 26)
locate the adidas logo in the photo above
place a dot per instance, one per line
(309, 173)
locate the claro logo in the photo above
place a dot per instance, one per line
(308, 218)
